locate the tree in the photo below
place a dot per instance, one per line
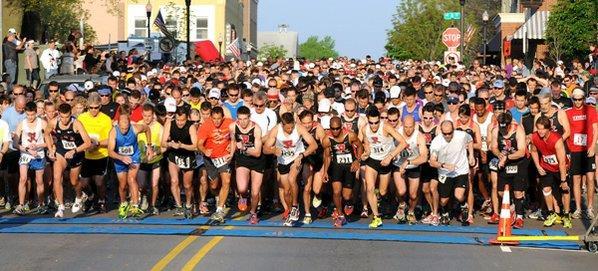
(55, 17)
(271, 51)
(314, 49)
(572, 27)
(418, 26)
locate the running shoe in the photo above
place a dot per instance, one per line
(590, 213)
(494, 219)
(242, 204)
(285, 214)
(144, 203)
(464, 215)
(203, 208)
(364, 213)
(536, 214)
(178, 211)
(411, 218)
(154, 211)
(79, 202)
(19, 210)
(123, 210)
(307, 219)
(316, 202)
(400, 215)
(576, 214)
(435, 221)
(470, 219)
(187, 212)
(294, 214)
(340, 221)
(445, 219)
(59, 212)
(26, 207)
(253, 220)
(567, 221)
(518, 223)
(2, 202)
(486, 207)
(42, 210)
(376, 222)
(348, 209)
(217, 218)
(550, 220)
(559, 219)
(323, 212)
(7, 206)
(428, 219)
(135, 211)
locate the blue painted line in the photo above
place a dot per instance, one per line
(98, 230)
(553, 244)
(321, 224)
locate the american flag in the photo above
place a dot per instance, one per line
(233, 47)
(160, 23)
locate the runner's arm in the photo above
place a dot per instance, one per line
(256, 151)
(312, 145)
(112, 145)
(193, 135)
(269, 147)
(561, 158)
(326, 146)
(520, 137)
(562, 116)
(233, 140)
(423, 151)
(535, 156)
(48, 137)
(477, 141)
(399, 138)
(494, 143)
(165, 134)
(17, 138)
(354, 140)
(142, 128)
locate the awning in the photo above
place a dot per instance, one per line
(534, 27)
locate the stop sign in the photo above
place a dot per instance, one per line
(451, 37)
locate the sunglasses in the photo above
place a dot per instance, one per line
(213, 98)
(594, 93)
(577, 100)
(452, 102)
(392, 120)
(349, 111)
(233, 95)
(447, 134)
(438, 95)
(105, 95)
(69, 100)
(18, 94)
(259, 105)
(383, 118)
(428, 92)
(186, 95)
(94, 107)
(428, 118)
(52, 90)
(335, 128)
(373, 122)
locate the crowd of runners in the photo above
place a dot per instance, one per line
(408, 142)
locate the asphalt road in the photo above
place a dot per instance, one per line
(199, 252)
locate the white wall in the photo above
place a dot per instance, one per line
(206, 11)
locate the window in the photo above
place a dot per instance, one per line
(171, 24)
(201, 26)
(140, 27)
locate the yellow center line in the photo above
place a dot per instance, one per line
(160, 265)
(203, 251)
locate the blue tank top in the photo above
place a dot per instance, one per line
(414, 113)
(126, 144)
(233, 108)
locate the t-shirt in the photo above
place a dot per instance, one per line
(266, 120)
(98, 128)
(30, 53)
(109, 109)
(563, 102)
(4, 132)
(580, 121)
(453, 152)
(156, 134)
(517, 115)
(9, 49)
(136, 114)
(216, 139)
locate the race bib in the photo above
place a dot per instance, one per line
(550, 159)
(219, 162)
(68, 145)
(442, 178)
(484, 145)
(512, 169)
(580, 139)
(288, 152)
(182, 162)
(125, 150)
(25, 159)
(377, 150)
(344, 159)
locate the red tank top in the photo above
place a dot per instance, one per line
(547, 151)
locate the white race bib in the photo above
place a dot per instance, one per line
(125, 150)
(219, 162)
(441, 178)
(25, 159)
(288, 153)
(580, 139)
(344, 158)
(377, 150)
(68, 145)
(183, 163)
(512, 169)
(550, 159)
(484, 145)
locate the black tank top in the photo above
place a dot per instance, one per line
(555, 125)
(468, 130)
(67, 138)
(350, 125)
(342, 152)
(247, 139)
(428, 135)
(180, 135)
(508, 145)
(320, 149)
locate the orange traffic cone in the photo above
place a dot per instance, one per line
(504, 224)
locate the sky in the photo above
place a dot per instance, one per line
(358, 26)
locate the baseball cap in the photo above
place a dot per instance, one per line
(214, 93)
(499, 84)
(591, 100)
(593, 89)
(74, 87)
(104, 90)
(324, 105)
(273, 94)
(452, 99)
(12, 31)
(170, 105)
(88, 85)
(395, 92)
(578, 93)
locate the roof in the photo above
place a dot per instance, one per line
(534, 28)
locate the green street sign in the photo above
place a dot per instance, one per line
(452, 16)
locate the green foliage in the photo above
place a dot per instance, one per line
(572, 27)
(271, 51)
(58, 16)
(418, 26)
(314, 49)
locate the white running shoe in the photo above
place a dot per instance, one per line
(60, 212)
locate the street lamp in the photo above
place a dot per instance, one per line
(462, 3)
(148, 12)
(220, 44)
(485, 18)
(188, 4)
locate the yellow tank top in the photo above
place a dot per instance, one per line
(98, 129)
(156, 133)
